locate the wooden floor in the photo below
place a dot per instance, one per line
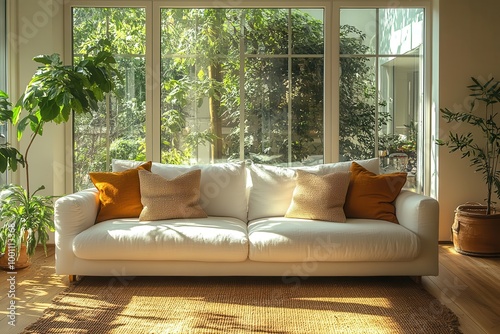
(469, 286)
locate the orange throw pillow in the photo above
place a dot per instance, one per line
(371, 196)
(119, 193)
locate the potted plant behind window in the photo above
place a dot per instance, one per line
(54, 91)
(476, 228)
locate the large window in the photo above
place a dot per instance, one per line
(205, 85)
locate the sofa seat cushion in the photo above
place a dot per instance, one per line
(279, 239)
(209, 239)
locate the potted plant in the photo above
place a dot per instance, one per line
(54, 92)
(476, 229)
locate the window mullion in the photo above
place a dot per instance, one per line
(242, 84)
(290, 83)
(377, 83)
(153, 87)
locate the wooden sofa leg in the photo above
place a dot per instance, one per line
(72, 278)
(417, 279)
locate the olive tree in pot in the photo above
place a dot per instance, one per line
(476, 229)
(54, 92)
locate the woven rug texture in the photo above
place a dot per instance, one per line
(245, 305)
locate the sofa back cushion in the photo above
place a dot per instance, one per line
(272, 187)
(222, 185)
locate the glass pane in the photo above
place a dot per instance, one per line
(117, 131)
(400, 86)
(266, 111)
(200, 108)
(401, 30)
(307, 111)
(266, 31)
(358, 98)
(358, 31)
(201, 32)
(307, 31)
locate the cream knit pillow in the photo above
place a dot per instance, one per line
(319, 197)
(169, 199)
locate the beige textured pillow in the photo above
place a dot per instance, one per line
(169, 199)
(319, 197)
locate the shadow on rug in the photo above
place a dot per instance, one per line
(245, 305)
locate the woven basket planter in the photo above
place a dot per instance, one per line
(22, 262)
(474, 232)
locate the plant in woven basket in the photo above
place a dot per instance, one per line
(484, 151)
(54, 92)
(476, 228)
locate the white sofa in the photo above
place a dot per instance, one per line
(246, 232)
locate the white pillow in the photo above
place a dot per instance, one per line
(373, 165)
(222, 185)
(272, 187)
(118, 165)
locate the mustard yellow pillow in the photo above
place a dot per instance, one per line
(119, 193)
(371, 196)
(169, 199)
(319, 197)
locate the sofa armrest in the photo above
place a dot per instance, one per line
(76, 212)
(73, 214)
(418, 213)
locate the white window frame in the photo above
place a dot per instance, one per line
(331, 57)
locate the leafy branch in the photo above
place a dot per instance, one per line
(484, 156)
(54, 91)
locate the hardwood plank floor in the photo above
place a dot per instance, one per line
(34, 289)
(469, 286)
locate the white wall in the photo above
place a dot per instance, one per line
(36, 27)
(469, 46)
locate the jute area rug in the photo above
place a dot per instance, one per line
(245, 305)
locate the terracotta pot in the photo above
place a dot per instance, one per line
(475, 233)
(22, 262)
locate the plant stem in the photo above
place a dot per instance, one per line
(489, 179)
(35, 133)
